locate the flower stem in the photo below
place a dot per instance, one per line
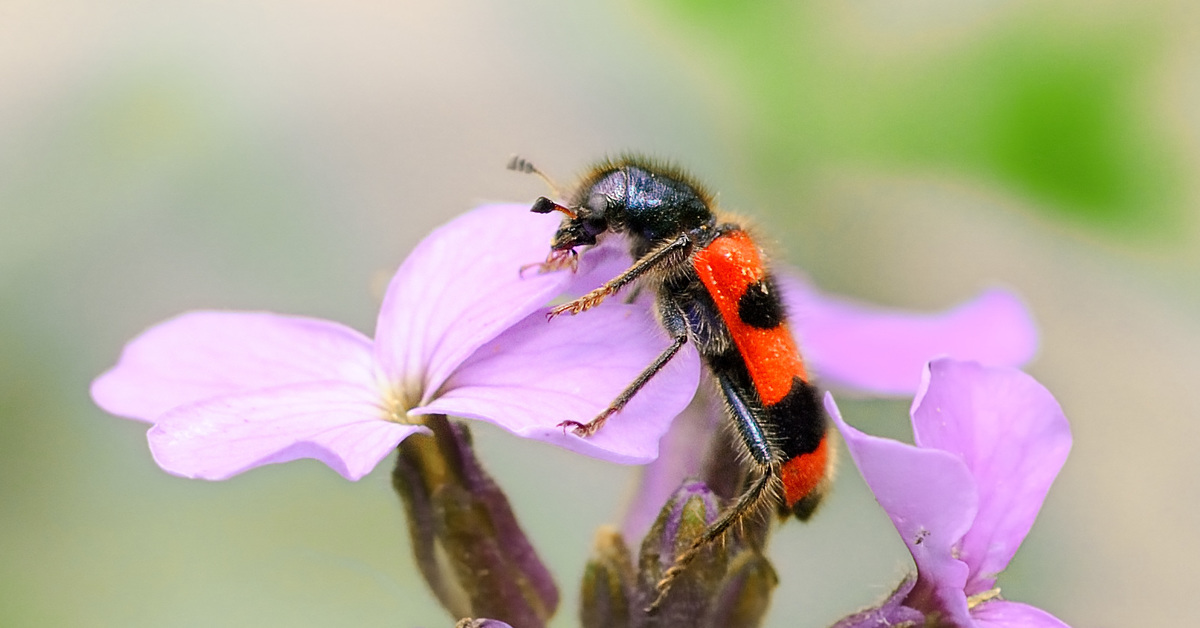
(467, 542)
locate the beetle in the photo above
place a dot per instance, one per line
(712, 288)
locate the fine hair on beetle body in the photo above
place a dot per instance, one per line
(712, 288)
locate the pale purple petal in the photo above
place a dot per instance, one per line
(1005, 614)
(598, 264)
(1012, 436)
(540, 373)
(881, 351)
(459, 289)
(199, 355)
(930, 497)
(338, 423)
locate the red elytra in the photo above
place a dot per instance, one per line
(728, 267)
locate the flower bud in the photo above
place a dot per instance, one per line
(890, 612)
(608, 583)
(467, 622)
(728, 583)
(467, 542)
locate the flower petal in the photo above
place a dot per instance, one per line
(459, 289)
(538, 374)
(338, 423)
(1004, 614)
(1012, 436)
(199, 355)
(930, 497)
(881, 351)
(600, 263)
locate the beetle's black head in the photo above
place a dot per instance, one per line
(648, 202)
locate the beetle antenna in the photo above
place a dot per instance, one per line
(518, 163)
(544, 206)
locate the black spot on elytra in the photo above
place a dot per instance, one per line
(797, 421)
(760, 306)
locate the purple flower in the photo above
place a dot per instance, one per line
(459, 333)
(989, 442)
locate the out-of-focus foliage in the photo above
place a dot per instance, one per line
(1046, 104)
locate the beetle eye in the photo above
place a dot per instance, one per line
(597, 204)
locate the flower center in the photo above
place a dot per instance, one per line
(398, 399)
(980, 598)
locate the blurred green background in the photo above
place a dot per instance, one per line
(159, 157)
